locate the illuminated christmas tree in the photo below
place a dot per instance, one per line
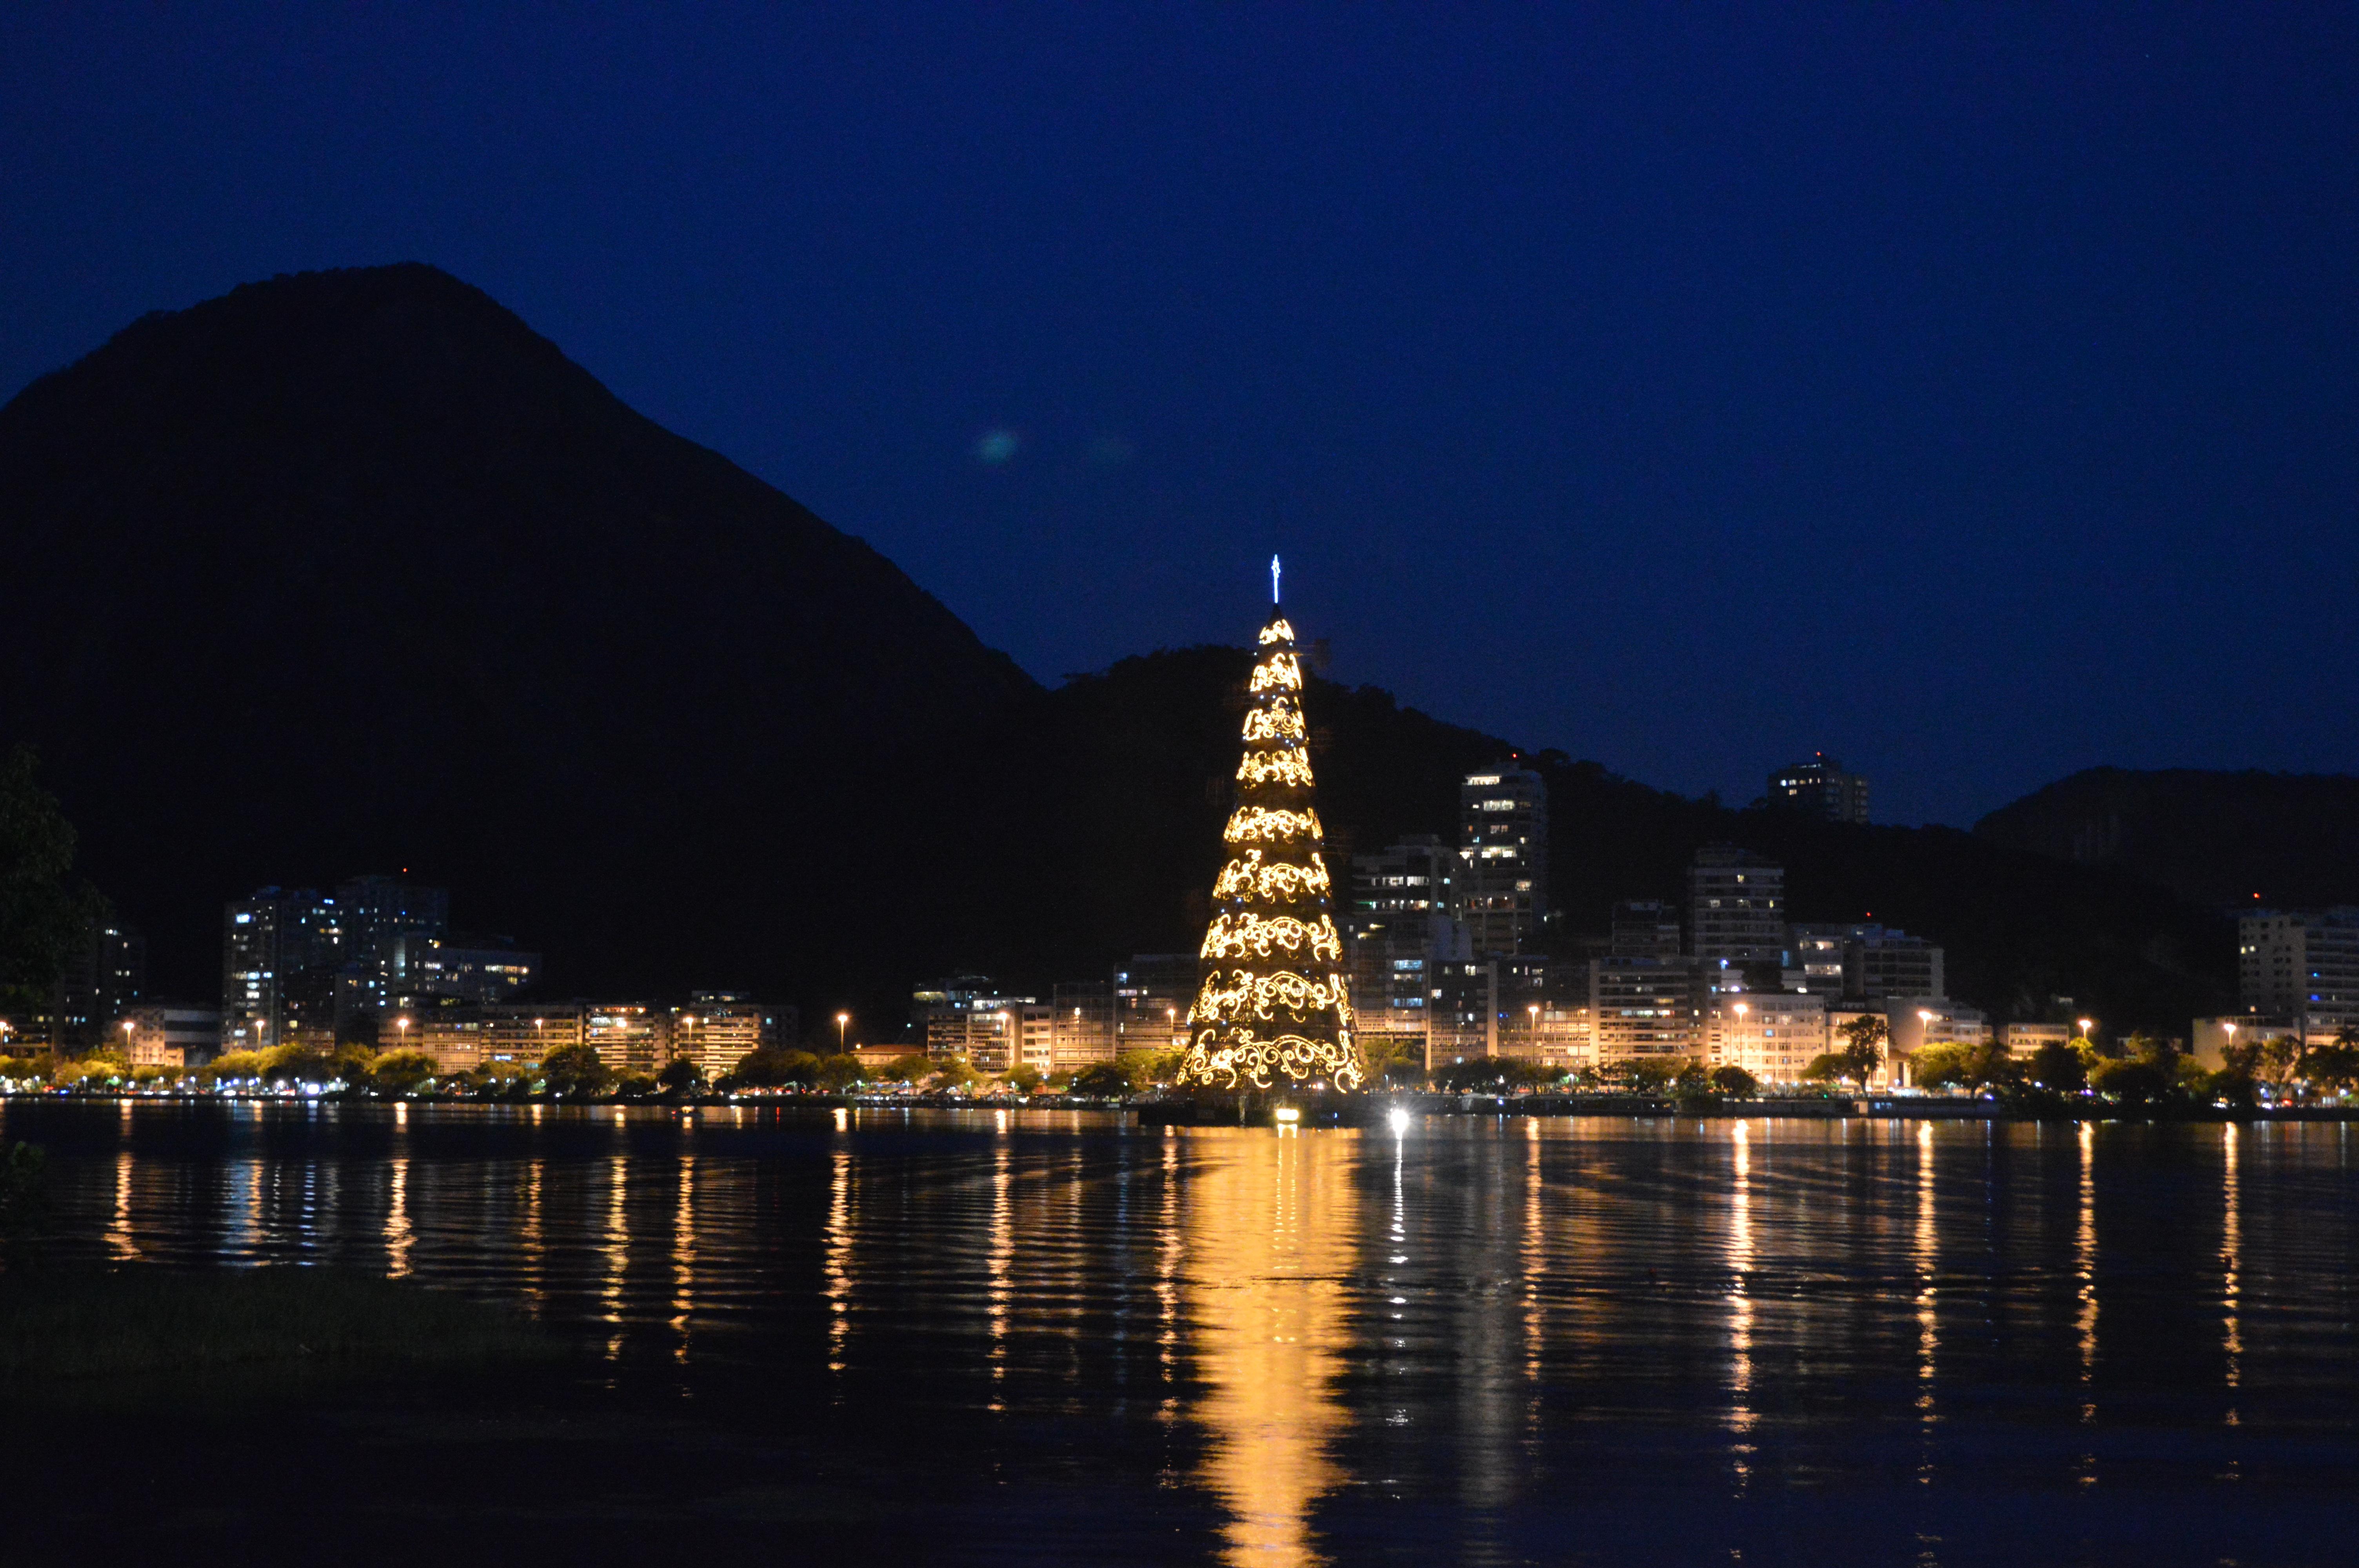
(1272, 1010)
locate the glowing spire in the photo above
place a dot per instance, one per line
(1273, 1006)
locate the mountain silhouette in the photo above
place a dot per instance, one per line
(352, 571)
(2225, 840)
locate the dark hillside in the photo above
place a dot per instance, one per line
(2215, 839)
(352, 571)
(1140, 785)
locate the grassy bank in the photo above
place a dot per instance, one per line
(141, 1332)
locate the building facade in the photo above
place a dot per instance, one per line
(1644, 1008)
(2020, 1040)
(1502, 851)
(1737, 907)
(1153, 995)
(1418, 875)
(1081, 1025)
(1819, 788)
(717, 1030)
(1774, 1035)
(1880, 963)
(2303, 967)
(169, 1034)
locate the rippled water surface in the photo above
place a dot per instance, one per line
(1058, 1336)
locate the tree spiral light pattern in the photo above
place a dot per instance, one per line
(1272, 1007)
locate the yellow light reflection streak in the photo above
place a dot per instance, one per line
(999, 1259)
(2232, 1260)
(835, 1268)
(2084, 1247)
(683, 1256)
(1271, 1223)
(398, 1236)
(1927, 1255)
(1741, 1416)
(618, 1243)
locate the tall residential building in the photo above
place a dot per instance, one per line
(1817, 953)
(1772, 1035)
(2303, 967)
(1880, 963)
(1153, 995)
(629, 1037)
(104, 974)
(716, 1029)
(386, 925)
(298, 967)
(967, 1016)
(1645, 1007)
(1081, 1025)
(1392, 962)
(271, 943)
(1643, 928)
(1737, 907)
(1819, 787)
(1543, 1012)
(1527, 1006)
(1417, 876)
(1503, 853)
(511, 1035)
(467, 968)
(169, 1034)
(1463, 1016)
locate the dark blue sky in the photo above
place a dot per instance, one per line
(1971, 393)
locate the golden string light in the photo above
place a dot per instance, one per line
(1258, 936)
(1281, 721)
(1252, 822)
(1287, 767)
(1235, 993)
(1279, 671)
(1250, 877)
(1274, 1006)
(1243, 1059)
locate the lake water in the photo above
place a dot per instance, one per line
(1057, 1337)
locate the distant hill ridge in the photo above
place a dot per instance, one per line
(2224, 841)
(352, 571)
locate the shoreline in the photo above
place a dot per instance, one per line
(1836, 1107)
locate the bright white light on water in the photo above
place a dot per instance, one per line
(1288, 1113)
(1400, 1118)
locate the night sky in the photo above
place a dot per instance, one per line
(1973, 394)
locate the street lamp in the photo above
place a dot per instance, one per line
(2086, 1025)
(842, 1022)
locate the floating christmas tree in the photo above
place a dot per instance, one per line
(1272, 1008)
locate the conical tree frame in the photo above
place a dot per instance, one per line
(1273, 1010)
